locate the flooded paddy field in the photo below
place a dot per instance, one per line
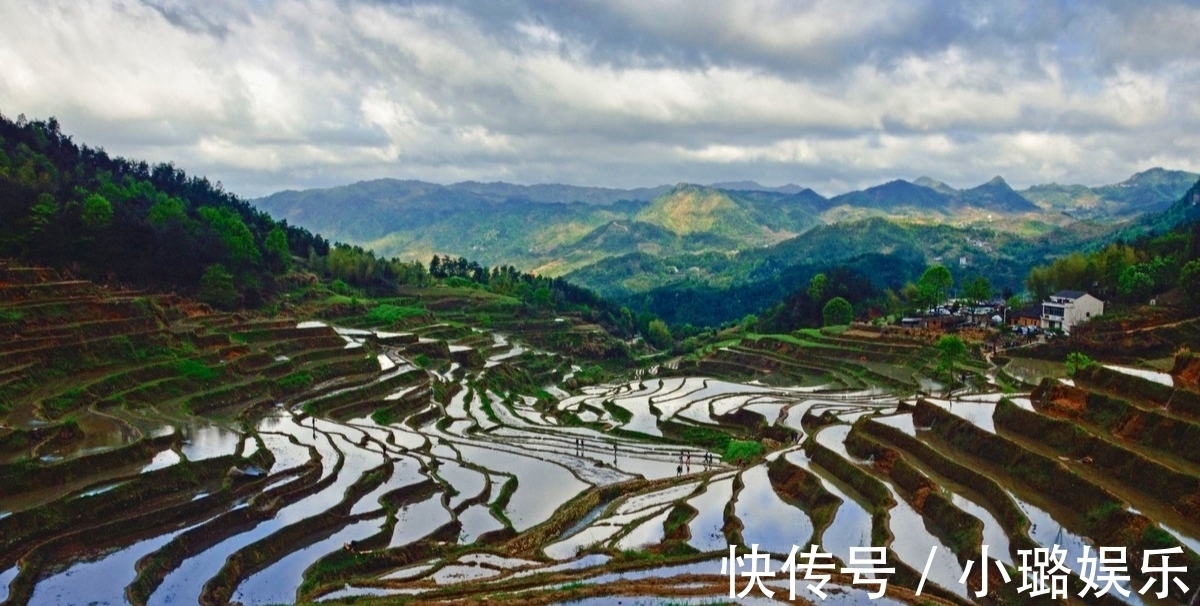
(211, 458)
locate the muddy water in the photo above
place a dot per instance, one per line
(162, 460)
(288, 454)
(978, 413)
(767, 519)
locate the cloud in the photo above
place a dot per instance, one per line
(831, 94)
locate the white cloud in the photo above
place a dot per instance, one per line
(293, 93)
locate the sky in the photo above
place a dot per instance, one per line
(265, 95)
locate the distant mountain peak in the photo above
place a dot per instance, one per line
(935, 185)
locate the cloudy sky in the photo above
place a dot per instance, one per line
(265, 95)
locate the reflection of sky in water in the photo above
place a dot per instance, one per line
(418, 520)
(542, 487)
(706, 527)
(208, 441)
(476, 520)
(277, 584)
(92, 582)
(851, 526)
(766, 519)
(1047, 532)
(185, 582)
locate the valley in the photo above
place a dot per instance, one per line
(156, 452)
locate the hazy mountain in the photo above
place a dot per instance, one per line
(895, 196)
(557, 192)
(555, 229)
(996, 196)
(751, 218)
(935, 185)
(1147, 191)
(790, 188)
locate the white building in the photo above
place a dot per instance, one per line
(1066, 309)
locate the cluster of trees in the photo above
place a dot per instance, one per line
(1127, 272)
(112, 219)
(842, 294)
(109, 218)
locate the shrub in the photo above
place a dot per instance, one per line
(296, 380)
(1076, 362)
(387, 313)
(195, 370)
(742, 451)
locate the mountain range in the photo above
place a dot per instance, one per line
(628, 241)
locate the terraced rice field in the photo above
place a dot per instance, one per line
(158, 453)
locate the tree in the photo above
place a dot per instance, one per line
(837, 312)
(950, 350)
(1076, 362)
(978, 289)
(1135, 283)
(276, 246)
(659, 334)
(1189, 280)
(217, 289)
(233, 232)
(934, 284)
(1040, 283)
(816, 287)
(97, 212)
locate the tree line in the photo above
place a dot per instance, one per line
(111, 219)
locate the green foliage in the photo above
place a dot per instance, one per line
(63, 402)
(421, 360)
(951, 349)
(837, 312)
(816, 287)
(977, 289)
(622, 415)
(1076, 362)
(385, 313)
(1135, 283)
(276, 247)
(217, 288)
(295, 381)
(1189, 281)
(704, 437)
(658, 334)
(934, 285)
(195, 370)
(384, 416)
(233, 232)
(97, 211)
(167, 209)
(739, 452)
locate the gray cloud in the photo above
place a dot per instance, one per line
(832, 94)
